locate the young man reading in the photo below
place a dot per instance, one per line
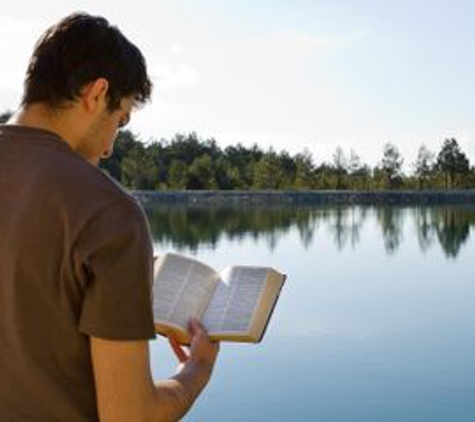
(75, 249)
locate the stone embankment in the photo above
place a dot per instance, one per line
(287, 197)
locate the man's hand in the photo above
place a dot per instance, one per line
(202, 352)
(124, 385)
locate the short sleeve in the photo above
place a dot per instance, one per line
(114, 253)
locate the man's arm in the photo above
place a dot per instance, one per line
(124, 386)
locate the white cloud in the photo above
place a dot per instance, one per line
(13, 27)
(166, 76)
(11, 80)
(16, 33)
(177, 49)
(17, 38)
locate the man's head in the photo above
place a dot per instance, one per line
(84, 62)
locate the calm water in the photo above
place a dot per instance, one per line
(376, 321)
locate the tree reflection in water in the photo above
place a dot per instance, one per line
(391, 221)
(188, 227)
(453, 228)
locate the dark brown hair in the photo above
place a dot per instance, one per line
(78, 50)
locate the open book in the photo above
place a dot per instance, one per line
(234, 305)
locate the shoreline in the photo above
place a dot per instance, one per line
(291, 197)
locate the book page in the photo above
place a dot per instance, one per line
(182, 289)
(235, 299)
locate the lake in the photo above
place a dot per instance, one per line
(376, 321)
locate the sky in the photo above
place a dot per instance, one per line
(291, 75)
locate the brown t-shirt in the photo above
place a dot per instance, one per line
(76, 261)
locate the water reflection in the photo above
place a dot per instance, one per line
(346, 223)
(391, 221)
(450, 226)
(192, 227)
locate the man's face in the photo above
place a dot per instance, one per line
(98, 142)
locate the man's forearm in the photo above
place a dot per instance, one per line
(174, 397)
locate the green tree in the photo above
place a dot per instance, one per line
(391, 166)
(424, 166)
(201, 174)
(354, 163)
(156, 150)
(138, 169)
(268, 172)
(178, 175)
(189, 147)
(359, 174)
(304, 178)
(451, 161)
(288, 170)
(243, 160)
(227, 176)
(124, 143)
(361, 178)
(340, 164)
(324, 176)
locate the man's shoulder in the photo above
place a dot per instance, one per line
(75, 172)
(89, 187)
(57, 177)
(92, 200)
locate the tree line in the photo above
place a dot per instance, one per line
(188, 162)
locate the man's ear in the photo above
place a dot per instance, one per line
(94, 95)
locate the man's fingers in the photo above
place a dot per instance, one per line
(181, 355)
(198, 331)
(195, 327)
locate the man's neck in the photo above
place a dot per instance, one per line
(40, 117)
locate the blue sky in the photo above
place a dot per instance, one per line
(288, 74)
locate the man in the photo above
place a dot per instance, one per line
(75, 249)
